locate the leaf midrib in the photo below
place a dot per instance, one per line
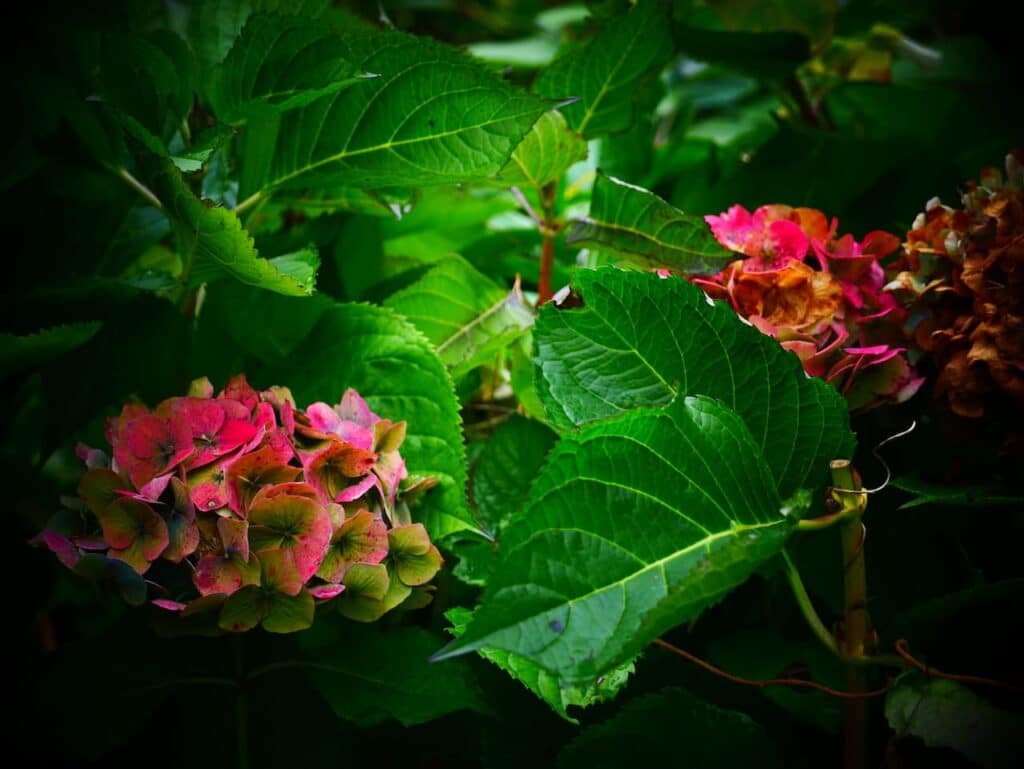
(734, 531)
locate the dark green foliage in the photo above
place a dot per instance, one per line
(318, 198)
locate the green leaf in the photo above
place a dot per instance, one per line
(545, 153)
(945, 714)
(279, 63)
(606, 72)
(640, 340)
(300, 266)
(289, 614)
(20, 353)
(196, 157)
(150, 77)
(637, 223)
(666, 728)
(465, 314)
(556, 693)
(368, 675)
(508, 463)
(433, 116)
(636, 524)
(215, 239)
(319, 348)
(775, 654)
(973, 495)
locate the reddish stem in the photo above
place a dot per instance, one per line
(547, 258)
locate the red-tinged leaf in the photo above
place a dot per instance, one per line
(234, 534)
(251, 472)
(391, 471)
(244, 609)
(61, 547)
(239, 389)
(203, 416)
(152, 491)
(294, 489)
(225, 574)
(336, 468)
(324, 420)
(414, 558)
(298, 525)
(289, 613)
(362, 538)
(388, 437)
(280, 572)
(149, 446)
(133, 555)
(183, 538)
(127, 520)
(357, 490)
(326, 592)
(182, 500)
(98, 488)
(209, 488)
(354, 409)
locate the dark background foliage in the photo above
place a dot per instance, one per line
(86, 673)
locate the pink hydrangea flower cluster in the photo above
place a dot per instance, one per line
(820, 294)
(243, 508)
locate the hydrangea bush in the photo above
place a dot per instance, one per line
(960, 277)
(820, 294)
(243, 506)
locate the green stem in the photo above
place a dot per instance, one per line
(856, 624)
(803, 600)
(140, 188)
(248, 202)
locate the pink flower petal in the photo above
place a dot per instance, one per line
(326, 592)
(164, 603)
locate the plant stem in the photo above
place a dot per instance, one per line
(806, 607)
(248, 202)
(140, 188)
(547, 246)
(856, 624)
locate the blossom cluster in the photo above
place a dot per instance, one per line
(243, 506)
(820, 295)
(962, 276)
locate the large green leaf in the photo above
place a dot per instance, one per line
(319, 348)
(280, 63)
(508, 463)
(945, 714)
(467, 316)
(556, 693)
(672, 728)
(368, 675)
(636, 524)
(637, 223)
(18, 353)
(150, 77)
(545, 152)
(607, 71)
(640, 340)
(433, 116)
(214, 241)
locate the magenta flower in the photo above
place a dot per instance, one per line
(245, 494)
(148, 445)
